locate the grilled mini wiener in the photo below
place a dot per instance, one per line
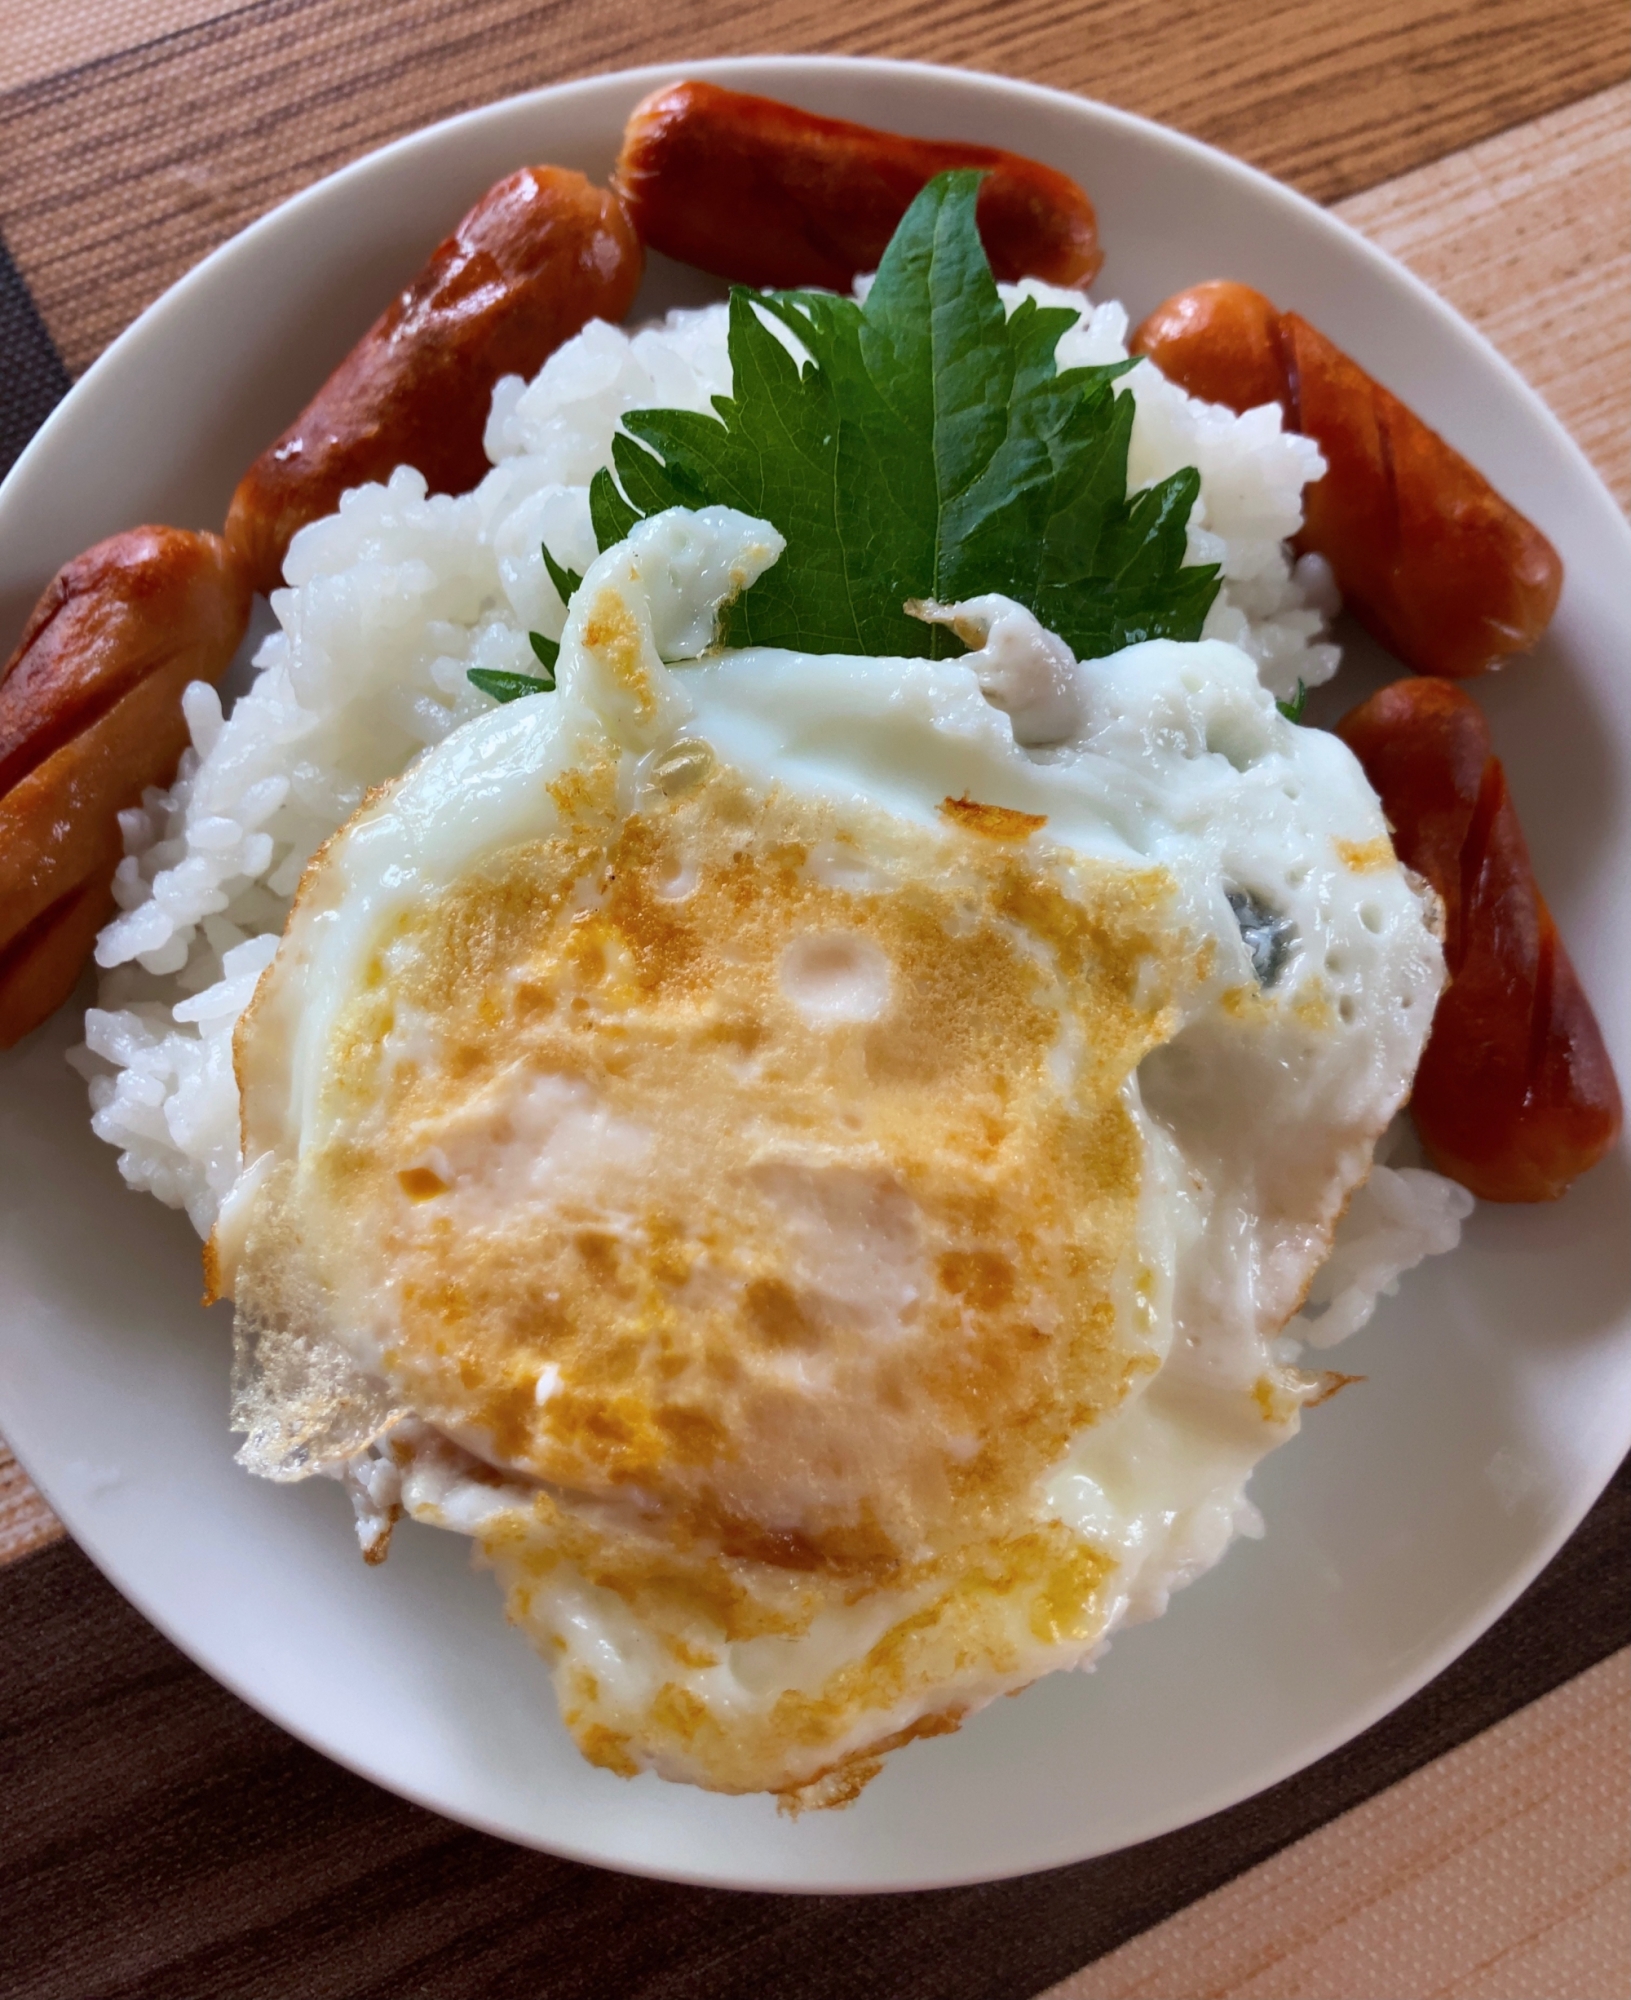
(1429, 557)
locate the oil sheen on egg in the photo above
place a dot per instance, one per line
(805, 1158)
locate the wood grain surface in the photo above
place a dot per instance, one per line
(119, 174)
(1502, 1870)
(157, 1838)
(50, 40)
(1528, 235)
(26, 1523)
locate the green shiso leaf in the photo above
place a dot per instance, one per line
(1292, 710)
(509, 687)
(929, 447)
(565, 581)
(609, 513)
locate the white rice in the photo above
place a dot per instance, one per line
(395, 597)
(1402, 1214)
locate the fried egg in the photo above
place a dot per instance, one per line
(805, 1159)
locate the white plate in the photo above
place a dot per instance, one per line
(1405, 1518)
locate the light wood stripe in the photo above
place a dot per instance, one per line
(1500, 1872)
(26, 1523)
(1526, 235)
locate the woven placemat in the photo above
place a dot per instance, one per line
(159, 1838)
(117, 175)
(35, 376)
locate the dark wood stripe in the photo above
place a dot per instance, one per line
(160, 1839)
(117, 176)
(32, 370)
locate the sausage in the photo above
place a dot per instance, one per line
(763, 194)
(1430, 558)
(538, 257)
(1515, 1095)
(39, 968)
(90, 715)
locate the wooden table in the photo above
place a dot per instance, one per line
(156, 1837)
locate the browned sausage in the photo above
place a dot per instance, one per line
(538, 257)
(763, 194)
(90, 715)
(1515, 1095)
(39, 968)
(1430, 558)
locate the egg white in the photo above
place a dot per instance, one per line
(1256, 1110)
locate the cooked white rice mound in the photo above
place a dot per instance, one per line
(394, 598)
(1402, 1214)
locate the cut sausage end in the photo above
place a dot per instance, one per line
(40, 969)
(1515, 1096)
(1433, 562)
(90, 714)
